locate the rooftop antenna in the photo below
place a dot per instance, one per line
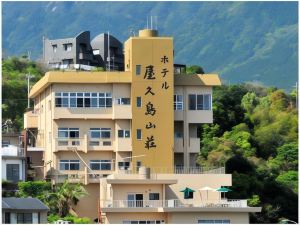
(108, 57)
(147, 23)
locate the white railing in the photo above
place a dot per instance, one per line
(181, 170)
(174, 203)
(12, 150)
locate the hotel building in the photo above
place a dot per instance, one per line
(131, 138)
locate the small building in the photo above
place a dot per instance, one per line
(82, 54)
(13, 163)
(23, 210)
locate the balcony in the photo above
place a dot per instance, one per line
(69, 144)
(175, 203)
(194, 145)
(181, 170)
(12, 151)
(30, 119)
(95, 144)
(178, 145)
(81, 176)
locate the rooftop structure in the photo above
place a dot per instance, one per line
(80, 53)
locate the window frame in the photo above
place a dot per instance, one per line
(106, 163)
(69, 164)
(178, 105)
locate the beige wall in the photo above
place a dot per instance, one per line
(120, 217)
(88, 206)
(121, 191)
(191, 217)
(156, 48)
(195, 182)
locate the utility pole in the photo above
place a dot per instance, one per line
(28, 76)
(108, 47)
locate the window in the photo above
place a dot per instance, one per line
(189, 195)
(153, 196)
(67, 47)
(138, 165)
(13, 172)
(5, 143)
(124, 133)
(178, 102)
(100, 164)
(7, 218)
(143, 221)
(123, 101)
(65, 133)
(24, 218)
(100, 133)
(200, 102)
(69, 164)
(54, 48)
(138, 102)
(124, 165)
(139, 134)
(138, 70)
(214, 221)
(85, 99)
(178, 134)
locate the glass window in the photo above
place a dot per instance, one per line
(79, 100)
(69, 164)
(192, 102)
(123, 101)
(24, 218)
(100, 132)
(58, 100)
(73, 101)
(178, 102)
(68, 133)
(199, 102)
(138, 102)
(138, 69)
(124, 165)
(123, 133)
(67, 47)
(94, 100)
(153, 196)
(87, 100)
(100, 164)
(207, 102)
(139, 134)
(54, 47)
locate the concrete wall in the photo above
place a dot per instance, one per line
(88, 206)
(21, 164)
(118, 218)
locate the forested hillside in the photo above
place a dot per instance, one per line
(242, 41)
(254, 134)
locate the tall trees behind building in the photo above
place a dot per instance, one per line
(255, 135)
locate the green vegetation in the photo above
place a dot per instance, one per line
(14, 90)
(255, 134)
(72, 219)
(59, 198)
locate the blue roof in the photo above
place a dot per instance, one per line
(23, 204)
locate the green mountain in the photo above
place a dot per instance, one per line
(242, 41)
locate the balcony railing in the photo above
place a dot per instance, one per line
(13, 151)
(175, 203)
(181, 170)
(65, 144)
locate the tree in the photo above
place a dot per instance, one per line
(67, 194)
(289, 179)
(194, 70)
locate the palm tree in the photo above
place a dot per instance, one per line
(67, 194)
